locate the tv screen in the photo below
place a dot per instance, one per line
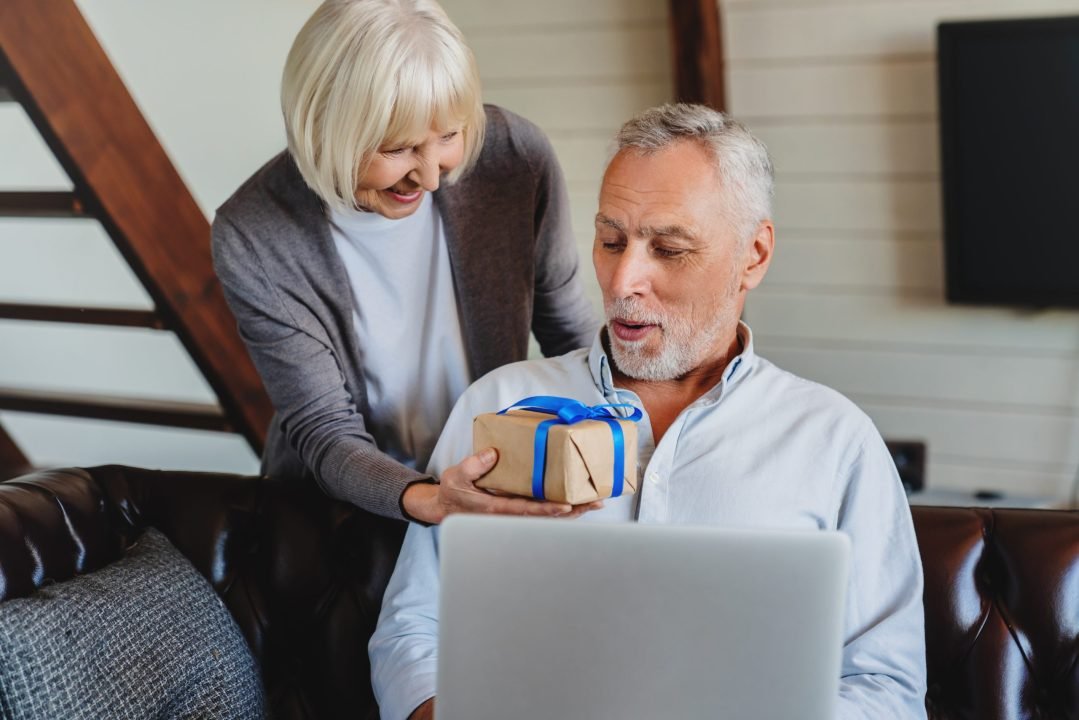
(1009, 117)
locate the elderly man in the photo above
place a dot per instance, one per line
(728, 439)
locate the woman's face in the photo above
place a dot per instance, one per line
(394, 183)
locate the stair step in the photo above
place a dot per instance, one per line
(117, 317)
(197, 416)
(41, 204)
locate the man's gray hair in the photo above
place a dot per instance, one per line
(742, 162)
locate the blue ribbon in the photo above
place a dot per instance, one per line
(569, 412)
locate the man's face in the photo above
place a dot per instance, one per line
(670, 262)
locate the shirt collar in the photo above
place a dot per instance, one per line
(738, 367)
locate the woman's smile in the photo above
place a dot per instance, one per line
(405, 198)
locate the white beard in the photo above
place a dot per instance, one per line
(682, 348)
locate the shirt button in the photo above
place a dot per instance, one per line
(653, 478)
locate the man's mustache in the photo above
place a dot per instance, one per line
(632, 312)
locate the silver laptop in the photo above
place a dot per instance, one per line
(560, 620)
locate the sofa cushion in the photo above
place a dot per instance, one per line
(143, 637)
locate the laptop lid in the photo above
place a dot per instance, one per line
(545, 619)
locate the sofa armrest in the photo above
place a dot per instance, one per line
(1002, 612)
(53, 525)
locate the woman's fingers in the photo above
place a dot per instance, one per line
(523, 506)
(458, 493)
(579, 510)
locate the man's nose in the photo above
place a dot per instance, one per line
(631, 276)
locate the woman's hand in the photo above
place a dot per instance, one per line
(457, 492)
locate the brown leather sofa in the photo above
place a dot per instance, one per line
(303, 577)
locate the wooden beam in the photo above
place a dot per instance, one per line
(697, 52)
(87, 117)
(12, 460)
(40, 204)
(115, 317)
(196, 416)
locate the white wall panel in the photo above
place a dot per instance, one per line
(890, 370)
(837, 148)
(988, 435)
(908, 319)
(881, 266)
(878, 28)
(65, 261)
(760, 5)
(115, 361)
(499, 15)
(858, 204)
(26, 163)
(572, 53)
(599, 107)
(834, 90)
(583, 157)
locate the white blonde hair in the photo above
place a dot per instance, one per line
(369, 74)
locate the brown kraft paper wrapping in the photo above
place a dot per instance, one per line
(580, 457)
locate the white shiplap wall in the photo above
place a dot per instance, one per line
(578, 70)
(844, 94)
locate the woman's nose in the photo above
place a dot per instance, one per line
(426, 173)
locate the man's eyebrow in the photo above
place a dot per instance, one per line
(676, 231)
(602, 219)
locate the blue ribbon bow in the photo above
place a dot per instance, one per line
(569, 412)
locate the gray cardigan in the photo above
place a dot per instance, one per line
(515, 268)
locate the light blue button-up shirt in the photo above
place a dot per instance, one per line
(762, 449)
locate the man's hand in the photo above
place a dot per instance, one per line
(456, 492)
(424, 712)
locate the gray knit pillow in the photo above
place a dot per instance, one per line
(145, 637)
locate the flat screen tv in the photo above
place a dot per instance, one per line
(1009, 122)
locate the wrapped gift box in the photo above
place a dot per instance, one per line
(580, 456)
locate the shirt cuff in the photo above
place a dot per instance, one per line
(401, 500)
(412, 687)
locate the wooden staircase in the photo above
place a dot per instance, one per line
(52, 65)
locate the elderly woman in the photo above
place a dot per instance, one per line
(405, 244)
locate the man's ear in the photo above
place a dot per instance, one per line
(758, 255)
